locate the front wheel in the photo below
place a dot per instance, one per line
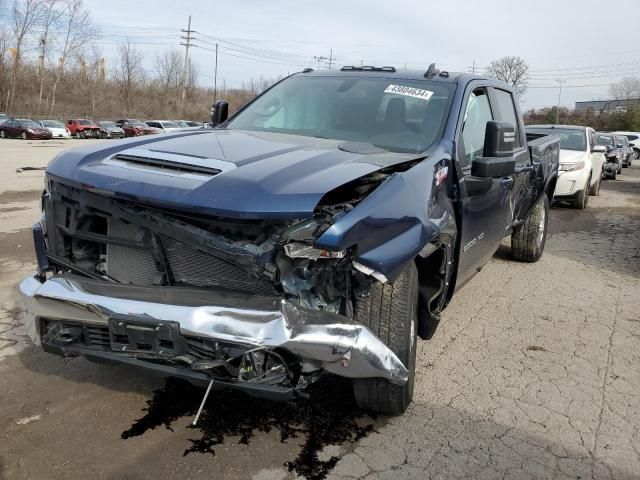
(529, 238)
(595, 188)
(390, 311)
(3, 134)
(24, 135)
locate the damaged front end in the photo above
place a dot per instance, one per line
(251, 303)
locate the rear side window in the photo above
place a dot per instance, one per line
(506, 112)
(477, 114)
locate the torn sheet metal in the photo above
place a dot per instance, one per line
(331, 342)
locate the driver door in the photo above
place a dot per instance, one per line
(487, 203)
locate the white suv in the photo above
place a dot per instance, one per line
(581, 162)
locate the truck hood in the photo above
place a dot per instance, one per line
(229, 173)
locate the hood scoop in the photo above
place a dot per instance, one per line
(167, 163)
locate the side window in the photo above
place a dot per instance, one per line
(477, 114)
(506, 112)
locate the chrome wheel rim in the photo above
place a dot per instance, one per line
(541, 225)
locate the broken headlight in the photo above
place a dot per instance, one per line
(302, 250)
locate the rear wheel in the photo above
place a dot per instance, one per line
(391, 313)
(3, 134)
(529, 238)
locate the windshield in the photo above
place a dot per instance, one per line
(169, 125)
(394, 114)
(107, 124)
(570, 139)
(136, 124)
(84, 122)
(52, 124)
(29, 124)
(181, 124)
(605, 140)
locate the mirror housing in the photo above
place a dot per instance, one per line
(497, 159)
(499, 139)
(219, 113)
(620, 145)
(599, 149)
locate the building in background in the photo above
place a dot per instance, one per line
(609, 106)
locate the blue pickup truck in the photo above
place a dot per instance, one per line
(320, 230)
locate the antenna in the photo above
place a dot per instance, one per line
(432, 71)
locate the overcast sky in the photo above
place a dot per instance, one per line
(572, 40)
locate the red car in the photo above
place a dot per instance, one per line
(135, 128)
(23, 128)
(83, 128)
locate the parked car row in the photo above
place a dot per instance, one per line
(84, 128)
(587, 157)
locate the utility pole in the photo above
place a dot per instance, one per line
(320, 59)
(215, 78)
(473, 68)
(330, 58)
(559, 99)
(186, 44)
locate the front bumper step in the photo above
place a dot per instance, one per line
(319, 340)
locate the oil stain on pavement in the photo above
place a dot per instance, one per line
(328, 417)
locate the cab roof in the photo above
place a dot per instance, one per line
(390, 72)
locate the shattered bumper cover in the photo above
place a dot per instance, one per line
(320, 340)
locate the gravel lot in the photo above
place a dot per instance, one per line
(534, 372)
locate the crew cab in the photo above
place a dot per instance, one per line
(320, 230)
(83, 128)
(582, 162)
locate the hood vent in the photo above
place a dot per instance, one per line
(170, 165)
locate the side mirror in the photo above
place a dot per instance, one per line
(599, 149)
(219, 113)
(620, 145)
(497, 159)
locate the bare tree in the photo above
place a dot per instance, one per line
(168, 68)
(76, 30)
(628, 87)
(25, 15)
(129, 72)
(511, 70)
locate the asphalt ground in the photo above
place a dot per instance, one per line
(534, 372)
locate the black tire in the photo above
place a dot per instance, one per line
(594, 190)
(391, 313)
(583, 198)
(636, 154)
(79, 134)
(3, 134)
(613, 175)
(23, 135)
(529, 238)
(619, 172)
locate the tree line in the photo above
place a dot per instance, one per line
(50, 66)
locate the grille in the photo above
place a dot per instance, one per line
(191, 267)
(126, 264)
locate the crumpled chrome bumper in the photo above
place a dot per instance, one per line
(320, 340)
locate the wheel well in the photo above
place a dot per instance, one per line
(432, 281)
(550, 188)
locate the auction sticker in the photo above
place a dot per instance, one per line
(409, 91)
